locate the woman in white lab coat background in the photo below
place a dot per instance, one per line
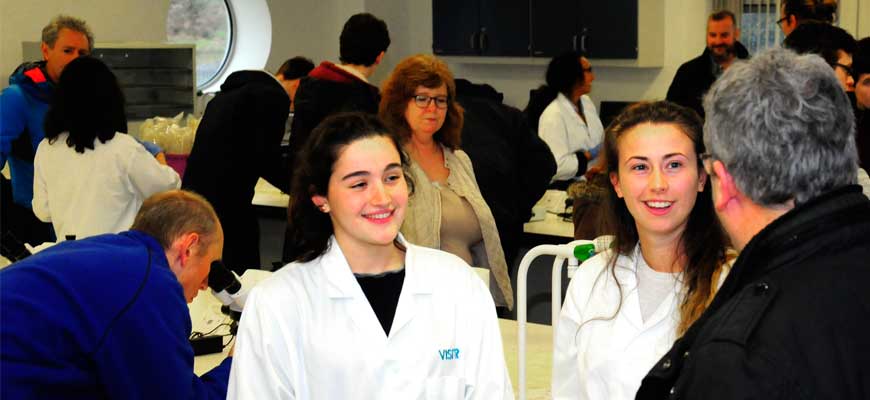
(626, 306)
(361, 313)
(570, 125)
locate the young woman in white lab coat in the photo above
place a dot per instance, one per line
(362, 313)
(626, 306)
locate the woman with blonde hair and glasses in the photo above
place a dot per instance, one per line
(626, 306)
(447, 211)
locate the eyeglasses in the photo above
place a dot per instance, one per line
(706, 159)
(781, 20)
(847, 68)
(423, 101)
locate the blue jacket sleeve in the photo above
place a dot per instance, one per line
(145, 353)
(12, 119)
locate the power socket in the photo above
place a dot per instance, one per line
(207, 345)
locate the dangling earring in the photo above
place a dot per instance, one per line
(325, 208)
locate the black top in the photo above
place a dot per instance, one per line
(382, 291)
(513, 165)
(694, 78)
(237, 142)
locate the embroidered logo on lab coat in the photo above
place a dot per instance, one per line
(449, 354)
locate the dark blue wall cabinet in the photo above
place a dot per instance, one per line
(540, 28)
(480, 27)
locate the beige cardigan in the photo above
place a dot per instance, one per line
(422, 224)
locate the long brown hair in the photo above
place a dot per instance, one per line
(703, 242)
(430, 72)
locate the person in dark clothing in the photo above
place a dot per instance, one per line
(237, 142)
(694, 77)
(861, 76)
(791, 319)
(512, 164)
(331, 88)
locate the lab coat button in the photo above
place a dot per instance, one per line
(666, 364)
(686, 354)
(761, 288)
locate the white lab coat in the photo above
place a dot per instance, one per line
(308, 332)
(98, 191)
(608, 358)
(565, 133)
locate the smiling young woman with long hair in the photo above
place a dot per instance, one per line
(625, 307)
(363, 313)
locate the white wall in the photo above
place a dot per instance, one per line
(110, 20)
(410, 24)
(303, 27)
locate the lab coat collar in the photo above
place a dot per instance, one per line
(566, 104)
(626, 272)
(343, 284)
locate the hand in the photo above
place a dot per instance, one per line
(152, 147)
(161, 158)
(592, 171)
(232, 350)
(594, 151)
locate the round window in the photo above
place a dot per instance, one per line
(208, 25)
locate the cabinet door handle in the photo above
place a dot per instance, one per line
(574, 42)
(583, 36)
(483, 41)
(472, 42)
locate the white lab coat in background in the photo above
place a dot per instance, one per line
(565, 133)
(608, 358)
(308, 332)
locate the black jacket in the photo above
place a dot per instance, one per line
(237, 142)
(513, 166)
(792, 319)
(694, 79)
(318, 98)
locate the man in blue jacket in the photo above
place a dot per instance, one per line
(106, 316)
(22, 109)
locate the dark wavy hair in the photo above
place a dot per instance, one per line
(703, 242)
(363, 37)
(295, 68)
(309, 228)
(427, 71)
(564, 72)
(811, 10)
(822, 39)
(87, 103)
